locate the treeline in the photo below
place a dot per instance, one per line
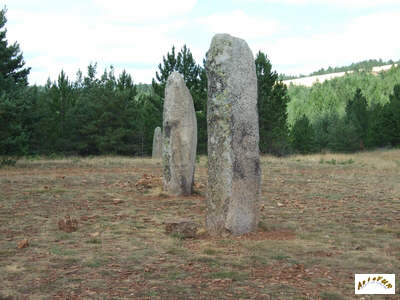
(93, 114)
(110, 114)
(351, 113)
(88, 116)
(107, 114)
(365, 65)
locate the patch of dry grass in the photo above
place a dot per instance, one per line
(323, 218)
(379, 159)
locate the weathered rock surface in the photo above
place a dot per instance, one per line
(179, 137)
(234, 174)
(157, 143)
(183, 228)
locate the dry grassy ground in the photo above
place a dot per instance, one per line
(323, 218)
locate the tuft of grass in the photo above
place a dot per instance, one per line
(178, 251)
(93, 241)
(175, 275)
(62, 236)
(259, 260)
(387, 229)
(210, 251)
(210, 261)
(163, 195)
(66, 262)
(8, 161)
(280, 256)
(61, 251)
(264, 226)
(347, 162)
(140, 255)
(331, 296)
(7, 253)
(178, 236)
(96, 263)
(331, 162)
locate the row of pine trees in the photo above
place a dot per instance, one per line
(107, 114)
(361, 127)
(351, 113)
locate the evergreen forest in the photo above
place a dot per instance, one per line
(100, 113)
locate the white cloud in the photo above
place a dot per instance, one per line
(240, 24)
(136, 34)
(366, 37)
(145, 74)
(346, 3)
(60, 40)
(144, 11)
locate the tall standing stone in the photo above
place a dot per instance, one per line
(157, 143)
(179, 137)
(234, 174)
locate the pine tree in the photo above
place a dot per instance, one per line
(200, 103)
(107, 116)
(391, 118)
(14, 103)
(343, 135)
(322, 128)
(272, 108)
(376, 136)
(302, 136)
(196, 81)
(59, 103)
(166, 68)
(119, 116)
(357, 117)
(12, 71)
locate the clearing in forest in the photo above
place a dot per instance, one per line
(323, 219)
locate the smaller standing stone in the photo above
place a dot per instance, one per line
(157, 143)
(179, 137)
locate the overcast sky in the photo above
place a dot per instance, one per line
(299, 36)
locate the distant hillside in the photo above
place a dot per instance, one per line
(309, 81)
(331, 96)
(366, 65)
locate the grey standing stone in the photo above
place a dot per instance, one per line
(157, 143)
(234, 174)
(179, 137)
